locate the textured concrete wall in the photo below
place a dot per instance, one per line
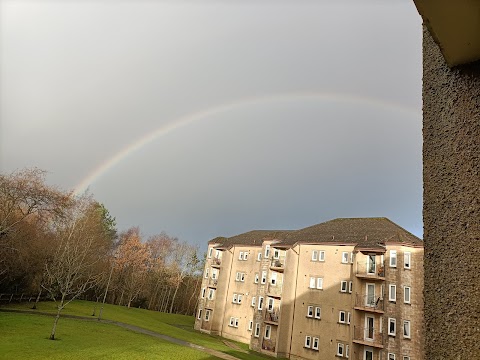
(451, 156)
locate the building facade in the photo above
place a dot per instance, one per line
(346, 288)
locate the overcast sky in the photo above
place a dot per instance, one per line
(298, 111)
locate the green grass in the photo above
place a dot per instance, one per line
(177, 326)
(25, 336)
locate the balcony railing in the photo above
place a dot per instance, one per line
(273, 316)
(212, 282)
(275, 290)
(371, 269)
(369, 303)
(216, 262)
(367, 336)
(268, 344)
(278, 264)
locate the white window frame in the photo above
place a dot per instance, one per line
(391, 356)
(351, 262)
(315, 342)
(210, 251)
(347, 350)
(394, 322)
(239, 299)
(320, 283)
(270, 304)
(393, 258)
(260, 303)
(315, 255)
(259, 256)
(343, 286)
(250, 325)
(214, 274)
(407, 260)
(234, 298)
(242, 277)
(237, 276)
(207, 315)
(406, 357)
(245, 256)
(340, 349)
(253, 301)
(211, 294)
(199, 314)
(268, 331)
(273, 278)
(236, 323)
(231, 321)
(240, 256)
(407, 329)
(349, 317)
(318, 312)
(257, 330)
(345, 257)
(276, 254)
(321, 255)
(310, 311)
(308, 342)
(341, 314)
(313, 282)
(264, 277)
(350, 287)
(267, 251)
(407, 294)
(392, 292)
(257, 278)
(206, 273)
(204, 291)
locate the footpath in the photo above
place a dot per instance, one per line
(137, 329)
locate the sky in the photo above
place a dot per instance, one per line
(213, 118)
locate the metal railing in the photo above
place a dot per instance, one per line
(273, 316)
(278, 263)
(216, 261)
(212, 282)
(367, 335)
(373, 269)
(369, 302)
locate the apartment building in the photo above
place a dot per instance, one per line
(345, 288)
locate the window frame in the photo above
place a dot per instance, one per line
(407, 265)
(315, 343)
(320, 283)
(405, 294)
(240, 256)
(207, 315)
(310, 311)
(343, 286)
(268, 329)
(342, 351)
(390, 322)
(259, 256)
(350, 287)
(260, 303)
(276, 254)
(199, 314)
(308, 342)
(393, 258)
(270, 304)
(394, 293)
(257, 330)
(264, 277)
(267, 251)
(390, 356)
(314, 255)
(347, 350)
(345, 257)
(250, 325)
(407, 331)
(203, 293)
(253, 301)
(257, 278)
(318, 312)
(342, 313)
(321, 255)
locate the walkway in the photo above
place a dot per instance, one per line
(134, 328)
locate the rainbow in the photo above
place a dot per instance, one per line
(223, 108)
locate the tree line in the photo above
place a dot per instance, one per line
(55, 243)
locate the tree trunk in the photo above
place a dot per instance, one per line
(55, 322)
(173, 297)
(37, 300)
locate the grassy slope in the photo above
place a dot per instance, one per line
(177, 326)
(25, 336)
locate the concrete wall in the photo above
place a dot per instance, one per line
(451, 157)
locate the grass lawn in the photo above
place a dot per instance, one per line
(177, 326)
(25, 336)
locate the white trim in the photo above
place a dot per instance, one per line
(407, 329)
(257, 330)
(394, 322)
(310, 311)
(315, 255)
(345, 257)
(392, 292)
(343, 286)
(318, 312)
(407, 260)
(340, 349)
(268, 331)
(407, 290)
(391, 356)
(315, 342)
(308, 342)
(321, 255)
(393, 258)
(342, 314)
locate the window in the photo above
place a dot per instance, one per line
(312, 282)
(256, 278)
(253, 301)
(268, 331)
(273, 278)
(259, 256)
(314, 255)
(316, 283)
(210, 251)
(214, 274)
(344, 257)
(341, 317)
(236, 323)
(270, 303)
(211, 294)
(232, 320)
(391, 326)
(315, 343)
(310, 311)
(242, 277)
(406, 357)
(267, 251)
(240, 256)
(391, 356)
(406, 329)
(351, 262)
(245, 255)
(319, 283)
(199, 316)
(393, 258)
(308, 341)
(407, 260)
(234, 298)
(250, 325)
(340, 347)
(343, 286)
(392, 293)
(239, 299)
(260, 302)
(276, 254)
(406, 294)
(237, 276)
(318, 312)
(264, 277)
(203, 292)
(207, 315)
(217, 254)
(350, 286)
(206, 273)
(321, 255)
(349, 317)
(347, 351)
(257, 330)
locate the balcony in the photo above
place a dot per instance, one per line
(367, 336)
(278, 264)
(371, 270)
(216, 262)
(275, 290)
(212, 283)
(209, 303)
(268, 345)
(369, 303)
(272, 317)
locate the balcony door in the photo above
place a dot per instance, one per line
(369, 327)
(368, 354)
(370, 296)
(371, 264)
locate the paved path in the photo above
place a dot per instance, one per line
(134, 328)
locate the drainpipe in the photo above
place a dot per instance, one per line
(294, 300)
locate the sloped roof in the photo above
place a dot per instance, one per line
(366, 232)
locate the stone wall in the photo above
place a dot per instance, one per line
(451, 213)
